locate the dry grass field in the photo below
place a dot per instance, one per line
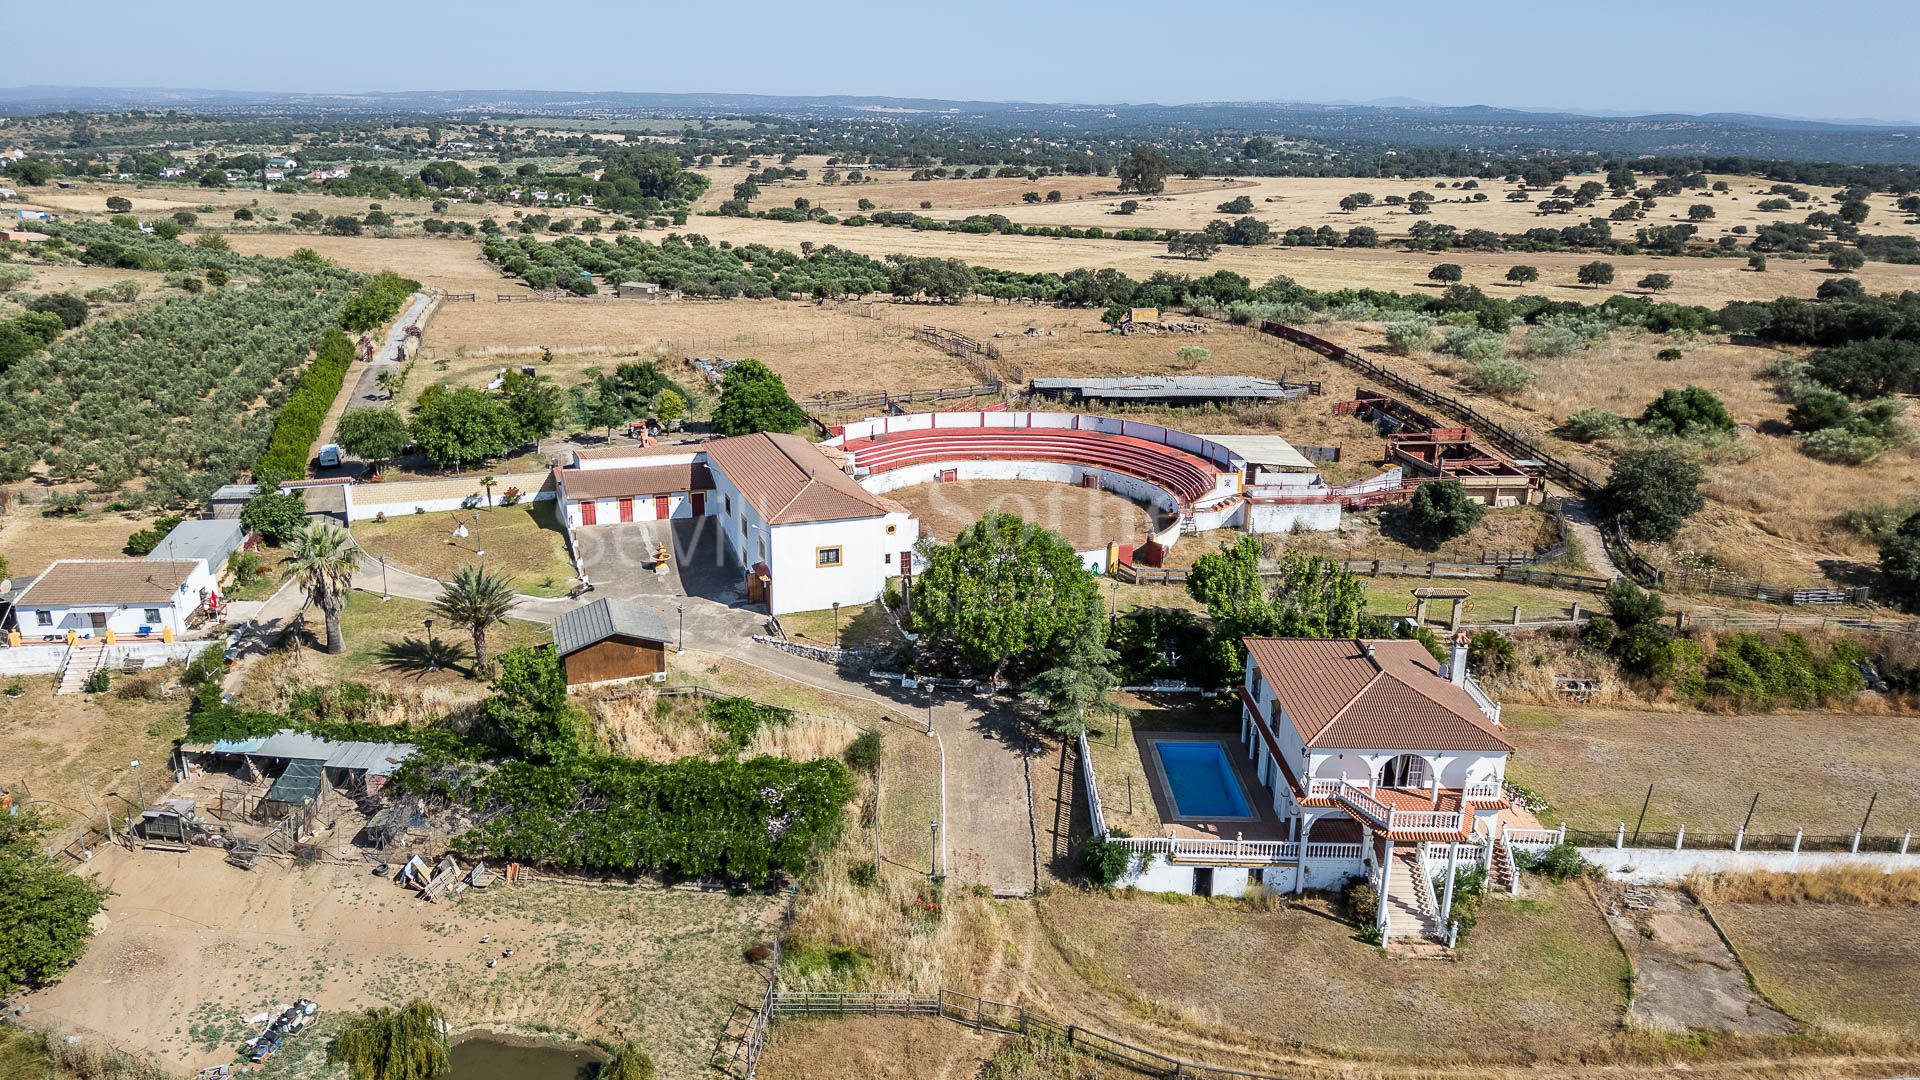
(1840, 967)
(1087, 518)
(192, 946)
(1593, 766)
(69, 750)
(31, 541)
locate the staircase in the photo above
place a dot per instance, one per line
(83, 658)
(1502, 875)
(1410, 905)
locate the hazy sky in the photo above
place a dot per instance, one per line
(1843, 58)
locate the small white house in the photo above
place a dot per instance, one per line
(172, 172)
(808, 535)
(127, 596)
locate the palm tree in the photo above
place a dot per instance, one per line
(323, 561)
(408, 1043)
(477, 600)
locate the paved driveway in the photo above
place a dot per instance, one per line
(703, 577)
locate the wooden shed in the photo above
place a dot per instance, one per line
(610, 640)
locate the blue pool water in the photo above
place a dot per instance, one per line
(1201, 780)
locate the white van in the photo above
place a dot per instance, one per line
(330, 456)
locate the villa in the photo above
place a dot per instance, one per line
(1356, 758)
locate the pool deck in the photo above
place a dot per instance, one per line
(1267, 827)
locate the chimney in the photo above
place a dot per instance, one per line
(1457, 667)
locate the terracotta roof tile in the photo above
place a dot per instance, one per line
(788, 480)
(1379, 694)
(638, 480)
(110, 581)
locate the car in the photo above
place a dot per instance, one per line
(330, 456)
(264, 1047)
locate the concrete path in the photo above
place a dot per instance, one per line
(260, 624)
(1581, 526)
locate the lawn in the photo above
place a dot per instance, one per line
(523, 541)
(1833, 964)
(1811, 770)
(388, 643)
(858, 625)
(273, 571)
(1539, 978)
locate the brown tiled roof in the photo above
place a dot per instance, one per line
(789, 480)
(1386, 694)
(109, 581)
(634, 481)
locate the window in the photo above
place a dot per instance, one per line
(891, 529)
(826, 556)
(43, 618)
(151, 615)
(1254, 681)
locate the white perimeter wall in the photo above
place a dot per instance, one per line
(638, 461)
(1282, 518)
(1659, 866)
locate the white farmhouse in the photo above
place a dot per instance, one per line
(1367, 758)
(808, 535)
(130, 597)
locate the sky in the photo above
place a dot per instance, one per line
(1840, 59)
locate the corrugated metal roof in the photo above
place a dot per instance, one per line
(1172, 386)
(1386, 695)
(377, 758)
(204, 539)
(1263, 450)
(635, 481)
(604, 618)
(789, 480)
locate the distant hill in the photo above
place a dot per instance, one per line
(1388, 121)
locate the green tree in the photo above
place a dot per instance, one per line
(119, 204)
(1522, 274)
(1690, 411)
(1652, 492)
(1699, 212)
(464, 424)
(1004, 595)
(323, 563)
(1144, 170)
(1077, 683)
(1447, 273)
(1656, 282)
(529, 709)
(375, 435)
(476, 600)
(1596, 274)
(669, 407)
(1310, 597)
(754, 398)
(1439, 511)
(1240, 204)
(1847, 260)
(277, 517)
(45, 912)
(1900, 556)
(408, 1043)
(534, 404)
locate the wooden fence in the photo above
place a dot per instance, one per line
(981, 1014)
(889, 400)
(1524, 444)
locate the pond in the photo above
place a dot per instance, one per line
(495, 1058)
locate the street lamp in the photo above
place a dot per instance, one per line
(139, 789)
(836, 624)
(933, 857)
(384, 594)
(681, 646)
(433, 648)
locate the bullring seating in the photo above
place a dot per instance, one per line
(1184, 476)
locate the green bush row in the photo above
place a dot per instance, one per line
(298, 423)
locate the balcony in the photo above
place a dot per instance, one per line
(1445, 812)
(1211, 852)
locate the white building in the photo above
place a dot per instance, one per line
(1368, 758)
(127, 596)
(808, 535)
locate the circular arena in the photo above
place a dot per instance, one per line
(1191, 483)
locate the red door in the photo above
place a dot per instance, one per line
(699, 504)
(662, 507)
(626, 509)
(587, 509)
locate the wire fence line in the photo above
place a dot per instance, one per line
(983, 1014)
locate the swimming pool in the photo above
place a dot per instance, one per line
(1200, 780)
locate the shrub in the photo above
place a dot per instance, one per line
(1592, 425)
(1490, 652)
(1501, 378)
(275, 516)
(97, 681)
(863, 874)
(1362, 902)
(1691, 411)
(1561, 335)
(304, 411)
(145, 540)
(1405, 333)
(246, 567)
(864, 753)
(1560, 862)
(1103, 860)
(1472, 343)
(1439, 511)
(1652, 492)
